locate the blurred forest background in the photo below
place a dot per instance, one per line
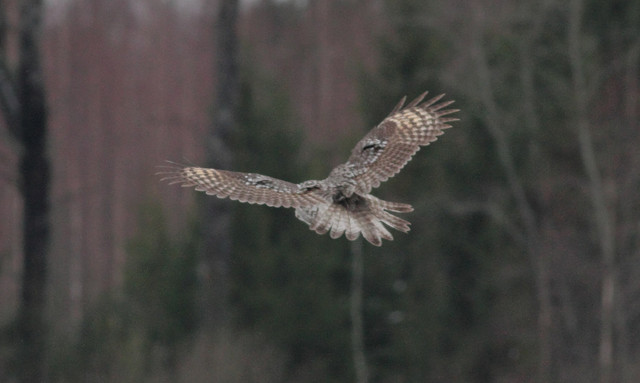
(523, 263)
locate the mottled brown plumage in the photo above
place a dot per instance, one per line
(341, 203)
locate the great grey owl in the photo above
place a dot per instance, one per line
(340, 203)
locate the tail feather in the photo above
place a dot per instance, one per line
(371, 236)
(394, 206)
(325, 220)
(394, 222)
(378, 229)
(368, 217)
(353, 228)
(340, 223)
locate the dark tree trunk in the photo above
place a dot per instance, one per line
(216, 246)
(23, 106)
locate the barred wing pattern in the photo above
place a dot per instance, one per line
(387, 148)
(341, 203)
(244, 187)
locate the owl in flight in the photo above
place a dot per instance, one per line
(340, 203)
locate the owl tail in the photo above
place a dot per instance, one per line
(366, 217)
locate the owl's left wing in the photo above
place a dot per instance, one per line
(245, 187)
(387, 148)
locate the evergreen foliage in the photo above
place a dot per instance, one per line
(288, 284)
(159, 280)
(437, 286)
(128, 334)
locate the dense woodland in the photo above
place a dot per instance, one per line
(523, 262)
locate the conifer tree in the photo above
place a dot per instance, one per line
(287, 286)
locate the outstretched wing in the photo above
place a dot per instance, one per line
(244, 187)
(386, 149)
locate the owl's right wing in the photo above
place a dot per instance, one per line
(387, 148)
(244, 187)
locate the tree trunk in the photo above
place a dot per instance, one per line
(357, 325)
(216, 218)
(34, 186)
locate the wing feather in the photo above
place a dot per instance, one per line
(245, 187)
(387, 148)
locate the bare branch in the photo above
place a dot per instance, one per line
(491, 210)
(603, 220)
(517, 190)
(499, 136)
